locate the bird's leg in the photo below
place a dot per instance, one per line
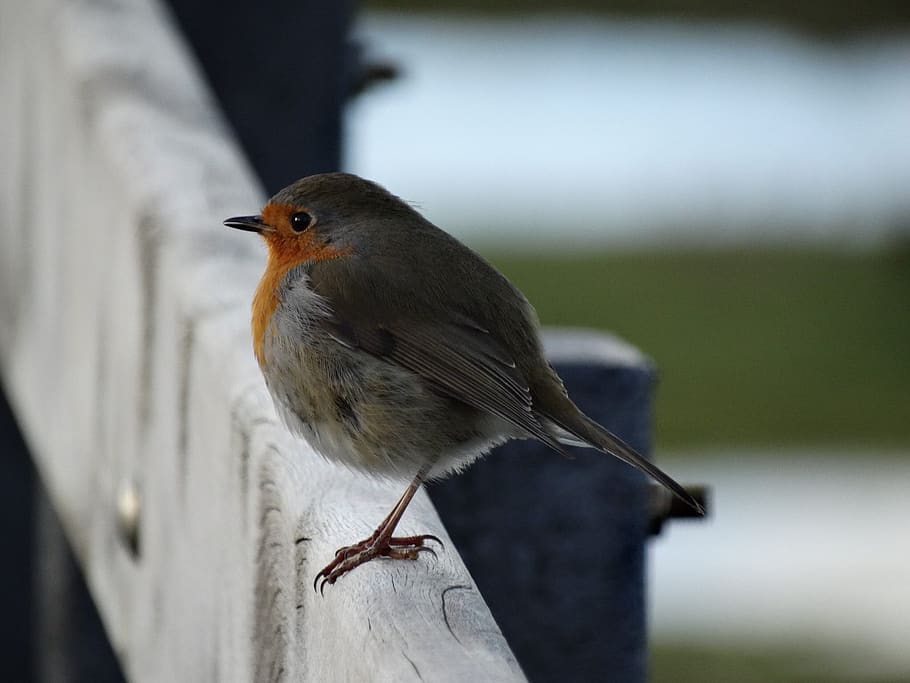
(380, 543)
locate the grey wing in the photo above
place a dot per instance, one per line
(461, 359)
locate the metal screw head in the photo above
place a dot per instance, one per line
(129, 508)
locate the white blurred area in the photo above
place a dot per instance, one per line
(582, 131)
(803, 552)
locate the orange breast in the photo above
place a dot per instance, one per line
(265, 301)
(285, 252)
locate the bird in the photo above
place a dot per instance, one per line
(396, 350)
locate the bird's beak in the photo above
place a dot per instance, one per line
(250, 223)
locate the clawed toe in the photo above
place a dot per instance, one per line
(352, 556)
(415, 540)
(407, 552)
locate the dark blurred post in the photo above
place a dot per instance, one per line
(557, 546)
(17, 501)
(282, 71)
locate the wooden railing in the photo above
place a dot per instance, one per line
(197, 521)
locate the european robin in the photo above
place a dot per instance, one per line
(394, 349)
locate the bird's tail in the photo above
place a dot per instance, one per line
(577, 429)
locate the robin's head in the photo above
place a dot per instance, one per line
(325, 216)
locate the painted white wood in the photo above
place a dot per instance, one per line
(124, 346)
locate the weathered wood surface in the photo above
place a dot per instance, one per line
(124, 346)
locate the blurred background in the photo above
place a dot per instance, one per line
(728, 187)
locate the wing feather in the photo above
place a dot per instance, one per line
(465, 363)
(428, 333)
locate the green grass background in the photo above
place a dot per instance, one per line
(688, 664)
(760, 348)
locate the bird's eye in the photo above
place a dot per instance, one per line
(300, 221)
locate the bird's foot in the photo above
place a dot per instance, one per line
(351, 556)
